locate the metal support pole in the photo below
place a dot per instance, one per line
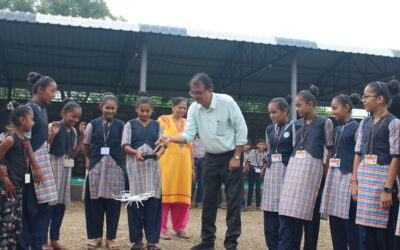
(293, 87)
(9, 91)
(143, 66)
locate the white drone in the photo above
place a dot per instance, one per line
(129, 197)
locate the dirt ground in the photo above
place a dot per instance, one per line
(73, 232)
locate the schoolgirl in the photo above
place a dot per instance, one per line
(37, 196)
(299, 202)
(139, 137)
(279, 145)
(64, 147)
(375, 167)
(102, 145)
(336, 199)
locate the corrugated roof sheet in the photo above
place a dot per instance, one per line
(296, 43)
(17, 16)
(106, 56)
(178, 31)
(396, 52)
(165, 30)
(86, 22)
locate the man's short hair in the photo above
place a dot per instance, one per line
(202, 78)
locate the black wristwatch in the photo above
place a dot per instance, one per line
(389, 190)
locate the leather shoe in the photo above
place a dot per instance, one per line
(204, 246)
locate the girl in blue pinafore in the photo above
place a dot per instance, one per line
(64, 147)
(375, 167)
(102, 145)
(300, 195)
(37, 196)
(336, 199)
(279, 141)
(139, 138)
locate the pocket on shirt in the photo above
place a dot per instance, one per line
(222, 128)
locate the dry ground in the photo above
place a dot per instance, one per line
(73, 233)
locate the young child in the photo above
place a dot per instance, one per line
(279, 144)
(336, 199)
(144, 175)
(102, 145)
(255, 161)
(37, 196)
(8, 126)
(64, 147)
(298, 203)
(9, 130)
(18, 157)
(375, 167)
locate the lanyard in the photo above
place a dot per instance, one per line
(279, 132)
(303, 135)
(106, 134)
(26, 154)
(259, 159)
(69, 140)
(339, 134)
(373, 136)
(68, 135)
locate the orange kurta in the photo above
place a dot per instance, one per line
(176, 166)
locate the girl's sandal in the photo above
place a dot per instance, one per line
(137, 246)
(57, 246)
(111, 245)
(182, 234)
(153, 247)
(165, 235)
(46, 247)
(93, 244)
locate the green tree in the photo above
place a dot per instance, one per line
(18, 5)
(83, 8)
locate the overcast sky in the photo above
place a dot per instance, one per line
(372, 24)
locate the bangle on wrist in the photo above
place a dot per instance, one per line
(353, 180)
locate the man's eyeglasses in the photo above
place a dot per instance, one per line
(196, 93)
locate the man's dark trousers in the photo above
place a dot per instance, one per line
(216, 171)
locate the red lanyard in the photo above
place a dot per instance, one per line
(339, 134)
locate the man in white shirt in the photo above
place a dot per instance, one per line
(221, 126)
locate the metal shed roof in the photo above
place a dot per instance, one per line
(97, 55)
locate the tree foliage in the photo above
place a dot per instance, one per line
(83, 8)
(18, 5)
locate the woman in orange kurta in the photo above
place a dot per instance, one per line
(176, 173)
